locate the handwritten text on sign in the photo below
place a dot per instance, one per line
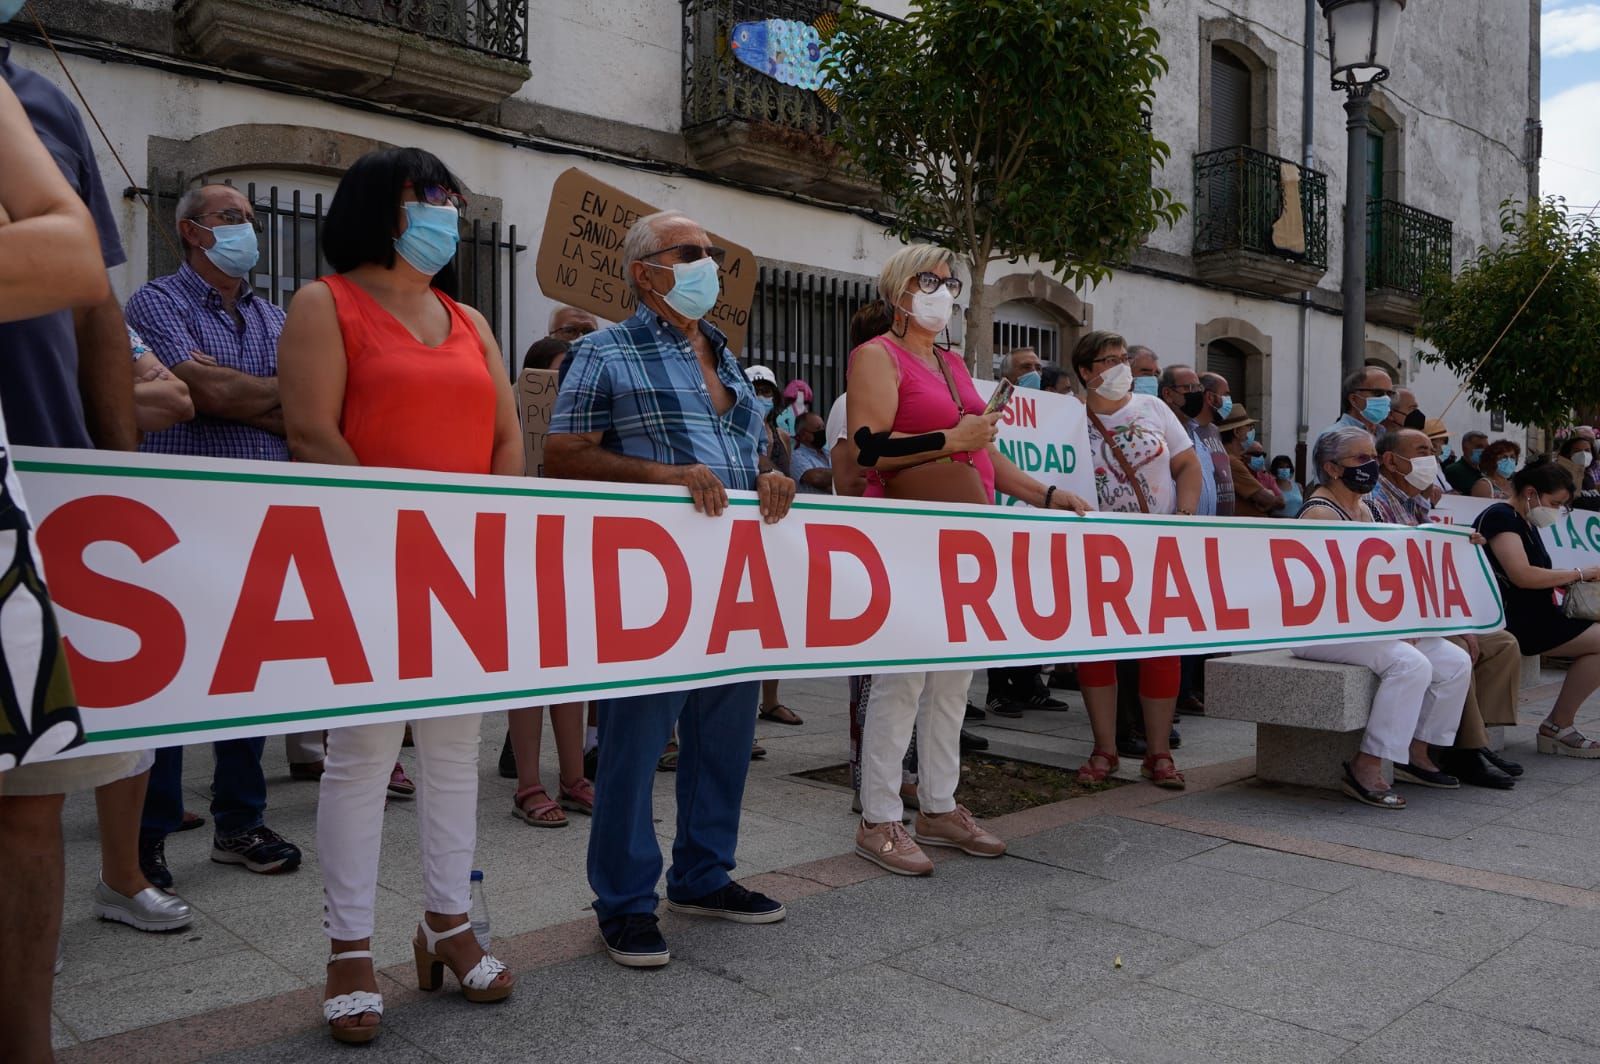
(580, 256)
(204, 599)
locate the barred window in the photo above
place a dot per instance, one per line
(800, 326)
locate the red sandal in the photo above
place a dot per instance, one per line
(1089, 774)
(579, 797)
(534, 812)
(1161, 770)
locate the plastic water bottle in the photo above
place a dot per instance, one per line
(480, 911)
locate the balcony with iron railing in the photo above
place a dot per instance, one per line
(1260, 221)
(1405, 247)
(745, 123)
(455, 57)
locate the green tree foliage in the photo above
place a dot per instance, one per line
(1007, 129)
(1548, 364)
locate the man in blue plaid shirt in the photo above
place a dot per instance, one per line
(659, 399)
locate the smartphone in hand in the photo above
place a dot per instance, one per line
(1001, 396)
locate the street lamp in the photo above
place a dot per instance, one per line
(1360, 41)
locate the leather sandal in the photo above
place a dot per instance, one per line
(535, 812)
(780, 714)
(1567, 742)
(1087, 773)
(579, 797)
(1385, 799)
(1161, 770)
(477, 986)
(357, 1003)
(400, 784)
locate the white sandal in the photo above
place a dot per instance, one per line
(476, 986)
(356, 1003)
(1566, 742)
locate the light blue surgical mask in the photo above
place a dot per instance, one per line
(1445, 453)
(1147, 385)
(763, 406)
(1258, 462)
(1506, 466)
(1477, 455)
(694, 287)
(235, 252)
(432, 232)
(9, 9)
(1377, 408)
(1030, 379)
(1225, 408)
(1249, 438)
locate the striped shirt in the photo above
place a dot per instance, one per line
(181, 313)
(639, 384)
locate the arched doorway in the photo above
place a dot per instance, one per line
(1242, 355)
(1033, 310)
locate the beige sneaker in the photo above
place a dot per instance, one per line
(957, 830)
(888, 846)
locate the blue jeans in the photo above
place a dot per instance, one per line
(716, 726)
(238, 789)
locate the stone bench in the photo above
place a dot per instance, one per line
(1309, 715)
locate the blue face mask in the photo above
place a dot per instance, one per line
(1225, 408)
(235, 252)
(1249, 438)
(1377, 408)
(432, 233)
(1477, 455)
(1258, 462)
(1147, 385)
(1445, 453)
(9, 9)
(1506, 466)
(763, 406)
(1031, 379)
(694, 287)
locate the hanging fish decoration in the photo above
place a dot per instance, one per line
(787, 50)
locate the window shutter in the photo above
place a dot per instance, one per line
(1230, 100)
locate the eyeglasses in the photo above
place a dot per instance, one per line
(439, 196)
(229, 216)
(691, 253)
(1358, 459)
(929, 282)
(1377, 391)
(572, 332)
(1110, 360)
(1188, 389)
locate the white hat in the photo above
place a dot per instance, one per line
(761, 373)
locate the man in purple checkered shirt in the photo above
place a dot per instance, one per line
(206, 324)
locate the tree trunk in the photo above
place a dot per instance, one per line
(980, 324)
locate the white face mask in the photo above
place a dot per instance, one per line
(1541, 516)
(1115, 383)
(1581, 459)
(932, 310)
(1424, 471)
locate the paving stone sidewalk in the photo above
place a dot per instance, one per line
(1237, 922)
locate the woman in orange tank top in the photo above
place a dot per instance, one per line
(378, 367)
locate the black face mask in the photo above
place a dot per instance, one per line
(1193, 403)
(1416, 419)
(1360, 479)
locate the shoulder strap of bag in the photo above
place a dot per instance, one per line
(1122, 459)
(950, 383)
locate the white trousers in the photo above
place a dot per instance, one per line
(1421, 690)
(355, 782)
(935, 703)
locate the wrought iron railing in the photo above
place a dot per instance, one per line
(1238, 198)
(290, 228)
(497, 27)
(1405, 246)
(717, 86)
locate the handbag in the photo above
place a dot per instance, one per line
(1582, 601)
(1122, 460)
(941, 479)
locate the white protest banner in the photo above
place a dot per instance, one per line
(1047, 436)
(203, 599)
(1573, 541)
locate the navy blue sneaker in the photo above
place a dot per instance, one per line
(260, 849)
(153, 860)
(734, 903)
(634, 941)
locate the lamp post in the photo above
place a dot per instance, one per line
(1360, 41)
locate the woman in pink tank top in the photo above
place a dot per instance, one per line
(896, 383)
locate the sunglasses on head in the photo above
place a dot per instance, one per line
(691, 253)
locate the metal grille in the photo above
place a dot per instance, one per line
(291, 241)
(716, 86)
(800, 327)
(1238, 195)
(1405, 246)
(497, 27)
(1044, 339)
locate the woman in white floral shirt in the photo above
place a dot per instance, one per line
(1144, 462)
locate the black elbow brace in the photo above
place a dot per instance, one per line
(875, 445)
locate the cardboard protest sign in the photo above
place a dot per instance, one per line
(336, 595)
(536, 400)
(1046, 435)
(580, 256)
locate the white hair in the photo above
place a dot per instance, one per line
(1331, 445)
(645, 237)
(188, 203)
(550, 326)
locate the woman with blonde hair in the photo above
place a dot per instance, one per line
(923, 434)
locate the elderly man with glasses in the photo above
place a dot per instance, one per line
(659, 399)
(571, 323)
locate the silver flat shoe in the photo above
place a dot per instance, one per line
(148, 910)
